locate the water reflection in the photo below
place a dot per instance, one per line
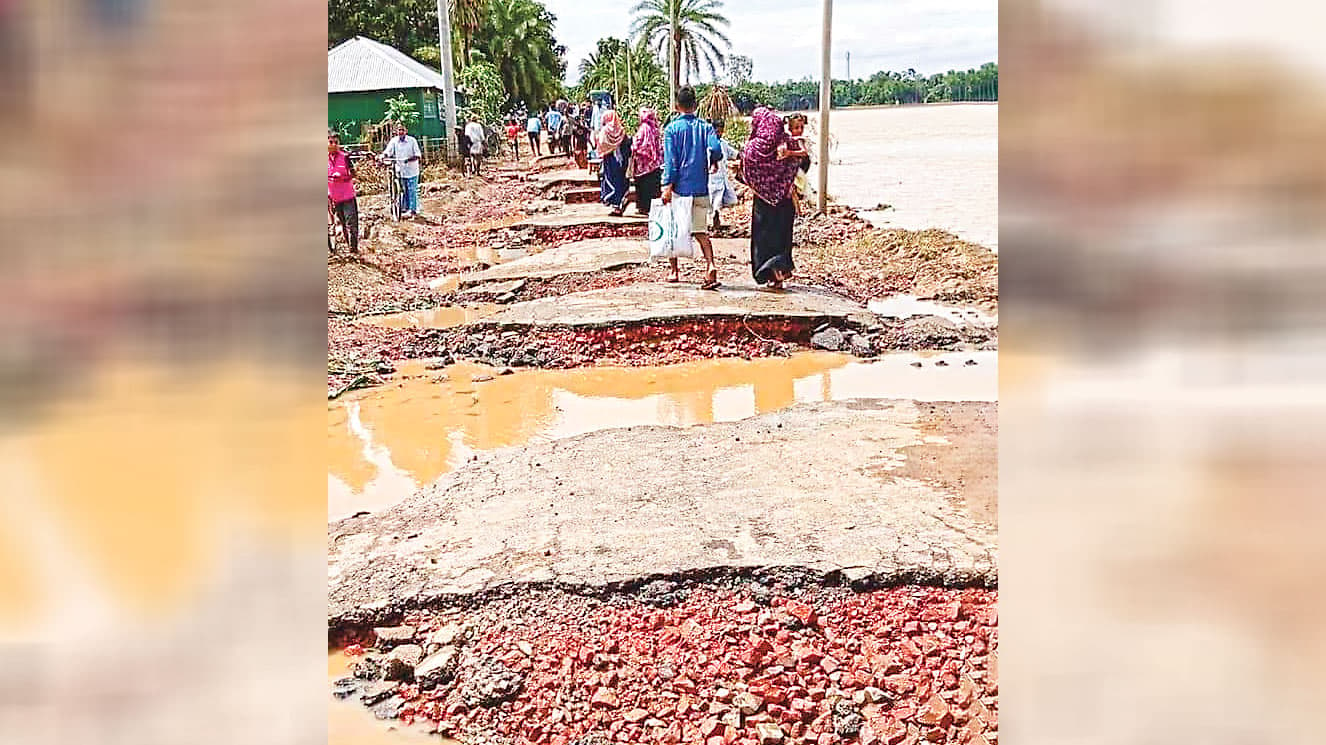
(387, 442)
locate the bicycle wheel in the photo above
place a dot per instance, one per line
(394, 194)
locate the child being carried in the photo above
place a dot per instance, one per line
(796, 148)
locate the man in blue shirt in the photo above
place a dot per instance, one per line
(690, 150)
(554, 124)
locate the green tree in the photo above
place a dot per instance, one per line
(401, 110)
(686, 32)
(517, 37)
(629, 71)
(739, 69)
(466, 19)
(483, 91)
(404, 24)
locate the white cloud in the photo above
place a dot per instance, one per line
(783, 36)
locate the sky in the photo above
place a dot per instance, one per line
(782, 37)
(1288, 29)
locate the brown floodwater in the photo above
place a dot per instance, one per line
(351, 723)
(387, 442)
(441, 317)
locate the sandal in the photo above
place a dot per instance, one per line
(711, 281)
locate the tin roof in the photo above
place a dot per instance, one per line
(362, 64)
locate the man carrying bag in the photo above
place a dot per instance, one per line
(690, 148)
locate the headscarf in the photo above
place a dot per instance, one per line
(611, 133)
(770, 177)
(647, 148)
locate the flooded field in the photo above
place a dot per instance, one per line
(386, 442)
(937, 166)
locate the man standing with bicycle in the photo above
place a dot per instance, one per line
(341, 200)
(403, 150)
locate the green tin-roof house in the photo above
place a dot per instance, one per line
(362, 74)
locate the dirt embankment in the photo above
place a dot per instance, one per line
(466, 220)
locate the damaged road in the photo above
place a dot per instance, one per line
(659, 501)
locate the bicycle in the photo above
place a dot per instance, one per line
(337, 230)
(393, 187)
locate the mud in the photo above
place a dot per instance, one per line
(387, 443)
(350, 723)
(415, 269)
(441, 317)
(959, 454)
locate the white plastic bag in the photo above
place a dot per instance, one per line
(670, 229)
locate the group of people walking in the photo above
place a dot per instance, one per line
(690, 157)
(566, 125)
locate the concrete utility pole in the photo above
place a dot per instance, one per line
(849, 65)
(448, 76)
(826, 100)
(674, 64)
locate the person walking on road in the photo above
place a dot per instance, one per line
(580, 135)
(532, 128)
(341, 196)
(721, 193)
(403, 151)
(474, 131)
(513, 138)
(554, 118)
(647, 153)
(769, 165)
(690, 150)
(614, 147)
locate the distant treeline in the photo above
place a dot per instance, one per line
(882, 88)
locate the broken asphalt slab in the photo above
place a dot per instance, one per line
(581, 257)
(576, 215)
(661, 303)
(814, 488)
(568, 176)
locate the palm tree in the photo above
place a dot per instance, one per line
(686, 31)
(466, 18)
(517, 36)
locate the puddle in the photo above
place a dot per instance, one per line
(441, 317)
(489, 255)
(350, 723)
(444, 285)
(907, 306)
(388, 441)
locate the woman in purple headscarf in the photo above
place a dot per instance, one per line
(769, 166)
(647, 154)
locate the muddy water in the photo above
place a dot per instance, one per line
(908, 306)
(937, 166)
(350, 723)
(442, 317)
(386, 442)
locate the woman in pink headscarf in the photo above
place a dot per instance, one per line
(769, 165)
(647, 152)
(614, 147)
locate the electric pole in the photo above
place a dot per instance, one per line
(849, 65)
(448, 77)
(826, 101)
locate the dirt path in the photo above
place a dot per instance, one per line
(472, 225)
(820, 573)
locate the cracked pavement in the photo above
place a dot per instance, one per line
(817, 487)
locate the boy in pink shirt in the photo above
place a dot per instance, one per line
(341, 191)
